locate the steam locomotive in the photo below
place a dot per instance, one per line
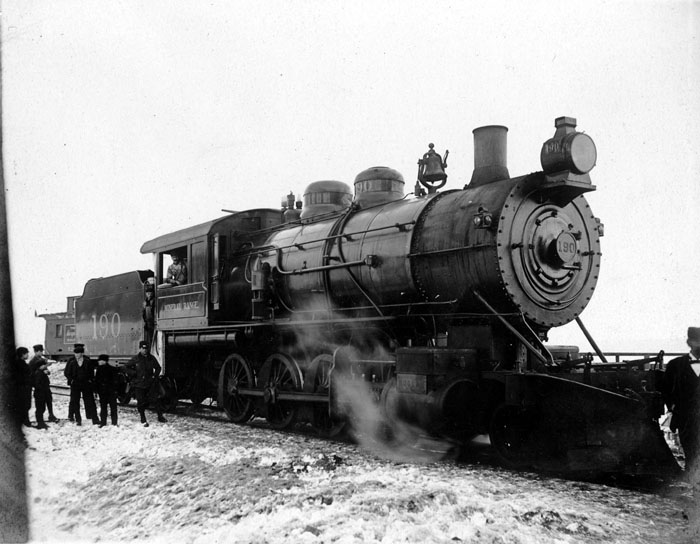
(432, 306)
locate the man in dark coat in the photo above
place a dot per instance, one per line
(40, 361)
(144, 370)
(80, 375)
(42, 391)
(106, 386)
(177, 272)
(148, 312)
(22, 376)
(682, 397)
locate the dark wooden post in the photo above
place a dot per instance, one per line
(14, 522)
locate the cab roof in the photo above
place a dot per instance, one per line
(181, 237)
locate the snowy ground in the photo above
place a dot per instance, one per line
(207, 481)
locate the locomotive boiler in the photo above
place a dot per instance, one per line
(434, 306)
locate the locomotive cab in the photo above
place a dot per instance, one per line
(192, 311)
(212, 286)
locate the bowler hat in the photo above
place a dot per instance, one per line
(78, 348)
(38, 347)
(693, 334)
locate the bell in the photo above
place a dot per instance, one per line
(431, 168)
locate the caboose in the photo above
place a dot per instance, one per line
(59, 334)
(434, 306)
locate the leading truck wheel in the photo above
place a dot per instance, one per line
(235, 374)
(510, 436)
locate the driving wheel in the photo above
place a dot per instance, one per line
(235, 374)
(284, 376)
(324, 421)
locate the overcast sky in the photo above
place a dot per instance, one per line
(125, 120)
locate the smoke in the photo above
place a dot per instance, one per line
(383, 434)
(357, 389)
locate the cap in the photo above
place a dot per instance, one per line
(143, 344)
(103, 357)
(78, 348)
(38, 347)
(693, 334)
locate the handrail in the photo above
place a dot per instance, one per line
(618, 355)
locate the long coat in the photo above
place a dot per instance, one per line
(42, 384)
(22, 385)
(34, 364)
(106, 377)
(143, 369)
(22, 374)
(80, 375)
(681, 392)
(39, 378)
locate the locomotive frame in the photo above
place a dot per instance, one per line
(434, 308)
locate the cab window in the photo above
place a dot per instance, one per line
(173, 267)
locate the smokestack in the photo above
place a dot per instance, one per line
(490, 155)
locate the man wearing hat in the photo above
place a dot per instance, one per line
(39, 371)
(106, 386)
(177, 272)
(144, 371)
(80, 375)
(681, 392)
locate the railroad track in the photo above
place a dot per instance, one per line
(182, 407)
(60, 390)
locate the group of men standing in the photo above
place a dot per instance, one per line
(34, 374)
(85, 378)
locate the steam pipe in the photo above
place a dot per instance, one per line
(299, 271)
